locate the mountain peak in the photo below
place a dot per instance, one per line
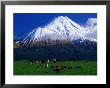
(61, 28)
(62, 18)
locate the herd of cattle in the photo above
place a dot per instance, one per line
(56, 67)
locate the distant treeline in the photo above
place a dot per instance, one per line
(61, 51)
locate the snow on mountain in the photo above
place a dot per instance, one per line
(60, 28)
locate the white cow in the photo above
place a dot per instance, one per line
(46, 65)
(48, 61)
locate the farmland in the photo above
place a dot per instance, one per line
(87, 67)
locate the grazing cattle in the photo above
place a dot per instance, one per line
(54, 60)
(40, 64)
(65, 67)
(78, 67)
(46, 65)
(42, 61)
(32, 61)
(48, 61)
(37, 62)
(57, 68)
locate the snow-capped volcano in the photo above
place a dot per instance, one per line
(60, 28)
(80, 46)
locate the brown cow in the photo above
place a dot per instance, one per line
(57, 68)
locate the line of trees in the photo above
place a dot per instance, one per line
(33, 43)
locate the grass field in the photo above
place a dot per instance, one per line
(26, 68)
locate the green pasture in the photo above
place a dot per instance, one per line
(24, 67)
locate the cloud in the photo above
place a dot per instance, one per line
(91, 23)
(91, 28)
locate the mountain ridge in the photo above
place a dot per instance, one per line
(60, 28)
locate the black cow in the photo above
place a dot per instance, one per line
(32, 61)
(65, 67)
(42, 61)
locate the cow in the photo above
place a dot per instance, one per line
(64, 67)
(54, 60)
(48, 61)
(46, 65)
(31, 61)
(42, 61)
(37, 62)
(57, 68)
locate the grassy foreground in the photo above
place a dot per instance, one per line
(26, 68)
